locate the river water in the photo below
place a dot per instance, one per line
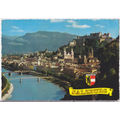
(33, 89)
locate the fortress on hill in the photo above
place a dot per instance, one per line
(74, 59)
(83, 63)
(80, 40)
(95, 36)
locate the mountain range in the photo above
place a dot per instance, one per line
(37, 41)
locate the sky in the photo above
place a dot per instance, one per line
(73, 26)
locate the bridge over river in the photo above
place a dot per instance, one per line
(27, 78)
(17, 71)
(22, 77)
(32, 88)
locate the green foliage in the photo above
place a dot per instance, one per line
(92, 42)
(109, 71)
(102, 44)
(112, 71)
(5, 85)
(104, 77)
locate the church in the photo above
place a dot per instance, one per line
(68, 57)
(90, 59)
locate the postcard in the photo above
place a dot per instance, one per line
(60, 59)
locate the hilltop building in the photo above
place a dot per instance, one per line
(59, 54)
(72, 43)
(95, 36)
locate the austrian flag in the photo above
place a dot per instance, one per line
(90, 79)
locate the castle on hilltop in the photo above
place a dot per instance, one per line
(95, 36)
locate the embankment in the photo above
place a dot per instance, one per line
(60, 82)
(8, 94)
(7, 88)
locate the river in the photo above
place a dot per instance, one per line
(33, 89)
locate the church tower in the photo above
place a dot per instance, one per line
(72, 53)
(21, 59)
(64, 52)
(85, 59)
(58, 52)
(91, 53)
(39, 59)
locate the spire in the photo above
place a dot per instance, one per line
(92, 53)
(85, 59)
(80, 57)
(64, 52)
(39, 60)
(58, 49)
(72, 53)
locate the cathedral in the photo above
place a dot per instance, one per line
(90, 59)
(68, 57)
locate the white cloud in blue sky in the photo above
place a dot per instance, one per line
(56, 20)
(16, 29)
(74, 24)
(100, 26)
(95, 19)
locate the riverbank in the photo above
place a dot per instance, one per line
(7, 88)
(9, 92)
(60, 82)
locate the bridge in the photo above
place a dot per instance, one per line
(31, 77)
(17, 71)
(23, 78)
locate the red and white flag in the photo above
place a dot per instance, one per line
(90, 79)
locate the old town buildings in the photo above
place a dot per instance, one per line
(66, 62)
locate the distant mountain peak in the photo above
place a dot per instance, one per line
(36, 41)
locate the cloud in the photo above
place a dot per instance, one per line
(95, 19)
(100, 26)
(56, 20)
(20, 30)
(75, 25)
(72, 23)
(16, 29)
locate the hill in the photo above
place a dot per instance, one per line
(109, 76)
(37, 41)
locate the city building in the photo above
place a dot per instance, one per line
(68, 57)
